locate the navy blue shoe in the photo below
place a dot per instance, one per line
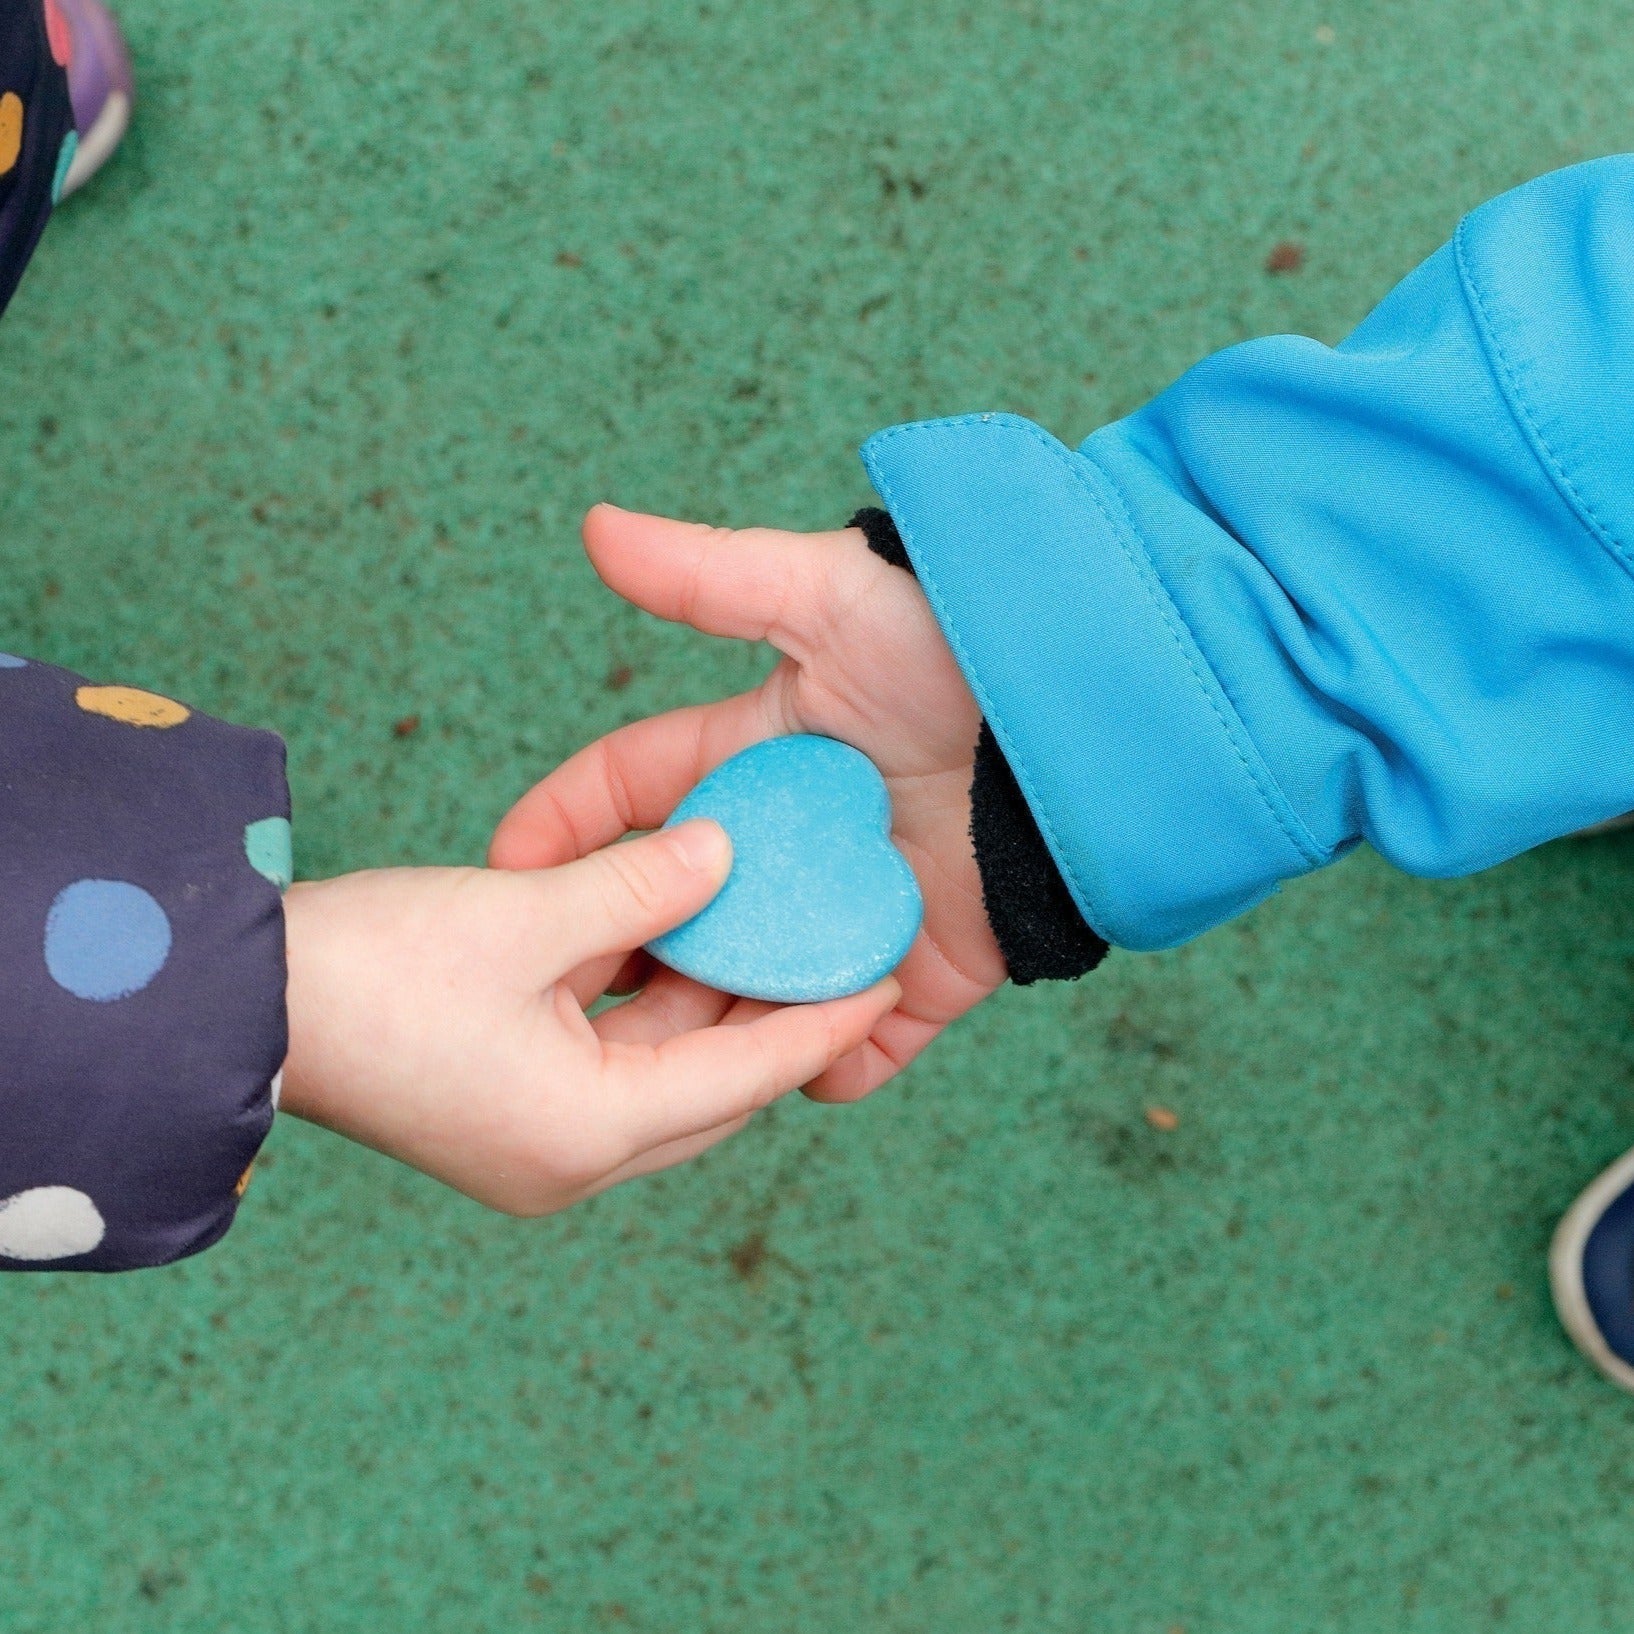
(1591, 1272)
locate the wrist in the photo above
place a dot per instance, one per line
(304, 915)
(1034, 920)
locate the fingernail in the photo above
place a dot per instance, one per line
(701, 844)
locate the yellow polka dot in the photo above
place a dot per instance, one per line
(132, 706)
(11, 130)
(244, 1180)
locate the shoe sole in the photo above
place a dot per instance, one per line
(1566, 1271)
(98, 143)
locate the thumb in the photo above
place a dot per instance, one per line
(614, 900)
(753, 584)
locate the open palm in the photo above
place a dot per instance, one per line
(863, 661)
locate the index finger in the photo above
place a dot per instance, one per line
(631, 779)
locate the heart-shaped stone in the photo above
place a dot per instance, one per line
(819, 903)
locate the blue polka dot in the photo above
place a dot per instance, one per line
(269, 846)
(105, 939)
(65, 157)
(8, 662)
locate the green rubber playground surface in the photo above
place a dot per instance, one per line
(303, 400)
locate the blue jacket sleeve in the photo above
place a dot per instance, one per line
(1311, 596)
(143, 853)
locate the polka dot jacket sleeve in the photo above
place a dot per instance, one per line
(144, 850)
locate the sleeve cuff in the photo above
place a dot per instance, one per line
(1036, 923)
(143, 853)
(1123, 743)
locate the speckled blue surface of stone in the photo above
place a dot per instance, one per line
(819, 902)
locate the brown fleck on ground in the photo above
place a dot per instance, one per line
(747, 1257)
(1287, 256)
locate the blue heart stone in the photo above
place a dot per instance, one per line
(819, 903)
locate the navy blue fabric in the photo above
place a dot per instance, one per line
(1312, 596)
(141, 929)
(141, 933)
(151, 1104)
(1608, 1275)
(28, 72)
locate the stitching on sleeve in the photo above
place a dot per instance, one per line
(1516, 400)
(1087, 899)
(1276, 803)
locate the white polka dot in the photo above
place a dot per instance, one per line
(49, 1223)
(277, 1088)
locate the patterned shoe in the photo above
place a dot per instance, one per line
(1591, 1272)
(86, 38)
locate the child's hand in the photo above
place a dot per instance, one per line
(436, 1014)
(864, 661)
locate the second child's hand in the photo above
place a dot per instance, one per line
(863, 661)
(439, 1016)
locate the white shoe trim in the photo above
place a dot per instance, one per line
(96, 146)
(1566, 1270)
